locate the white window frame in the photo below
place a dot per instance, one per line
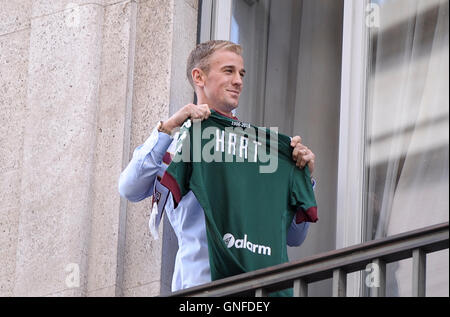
(351, 173)
(216, 20)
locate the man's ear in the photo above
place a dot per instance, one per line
(198, 77)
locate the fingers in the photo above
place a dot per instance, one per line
(295, 140)
(299, 154)
(199, 112)
(303, 156)
(205, 111)
(306, 159)
(299, 150)
(311, 166)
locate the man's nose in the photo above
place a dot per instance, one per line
(237, 79)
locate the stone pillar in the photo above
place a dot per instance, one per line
(58, 150)
(107, 238)
(154, 30)
(14, 43)
(83, 82)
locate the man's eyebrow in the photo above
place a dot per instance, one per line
(233, 67)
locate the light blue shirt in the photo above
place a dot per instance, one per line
(140, 180)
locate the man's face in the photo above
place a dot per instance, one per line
(224, 81)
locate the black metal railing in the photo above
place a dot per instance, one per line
(336, 265)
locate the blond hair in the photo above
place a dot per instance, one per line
(199, 57)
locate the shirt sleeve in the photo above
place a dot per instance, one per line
(178, 175)
(297, 232)
(137, 180)
(302, 196)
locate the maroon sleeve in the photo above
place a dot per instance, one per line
(310, 215)
(170, 182)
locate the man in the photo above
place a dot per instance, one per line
(215, 69)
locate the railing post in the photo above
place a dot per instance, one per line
(378, 285)
(260, 292)
(300, 288)
(339, 283)
(419, 272)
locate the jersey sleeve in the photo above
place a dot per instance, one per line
(302, 198)
(177, 176)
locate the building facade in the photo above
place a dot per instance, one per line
(365, 83)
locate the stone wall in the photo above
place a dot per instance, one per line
(82, 83)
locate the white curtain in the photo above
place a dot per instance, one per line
(408, 114)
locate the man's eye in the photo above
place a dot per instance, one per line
(228, 71)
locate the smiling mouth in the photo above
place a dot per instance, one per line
(234, 92)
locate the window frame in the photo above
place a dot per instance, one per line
(350, 212)
(215, 20)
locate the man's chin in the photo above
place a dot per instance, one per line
(226, 107)
(233, 104)
(232, 107)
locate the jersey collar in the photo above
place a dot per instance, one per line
(225, 115)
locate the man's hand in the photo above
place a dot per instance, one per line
(191, 111)
(302, 155)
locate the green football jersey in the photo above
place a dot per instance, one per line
(248, 186)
